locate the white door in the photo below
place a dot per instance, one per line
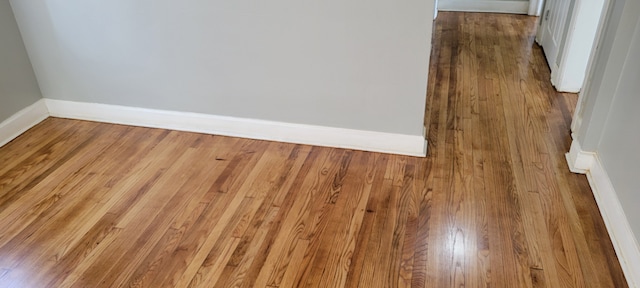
(552, 28)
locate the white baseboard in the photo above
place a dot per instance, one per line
(413, 145)
(622, 237)
(23, 120)
(561, 85)
(496, 6)
(579, 161)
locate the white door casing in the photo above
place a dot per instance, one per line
(578, 112)
(578, 29)
(554, 19)
(535, 7)
(580, 39)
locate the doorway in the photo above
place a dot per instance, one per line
(529, 7)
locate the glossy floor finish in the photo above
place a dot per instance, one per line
(85, 204)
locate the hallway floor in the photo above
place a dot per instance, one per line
(86, 204)
(497, 136)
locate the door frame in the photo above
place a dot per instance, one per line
(535, 7)
(576, 120)
(569, 74)
(583, 29)
(552, 30)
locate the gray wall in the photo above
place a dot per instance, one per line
(611, 122)
(339, 63)
(619, 147)
(610, 57)
(18, 85)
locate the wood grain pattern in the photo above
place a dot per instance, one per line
(86, 204)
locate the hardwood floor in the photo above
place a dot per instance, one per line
(85, 204)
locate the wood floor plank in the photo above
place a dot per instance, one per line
(58, 187)
(185, 200)
(48, 159)
(49, 129)
(86, 204)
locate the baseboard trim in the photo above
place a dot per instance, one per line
(412, 145)
(622, 237)
(22, 121)
(559, 83)
(579, 161)
(514, 7)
